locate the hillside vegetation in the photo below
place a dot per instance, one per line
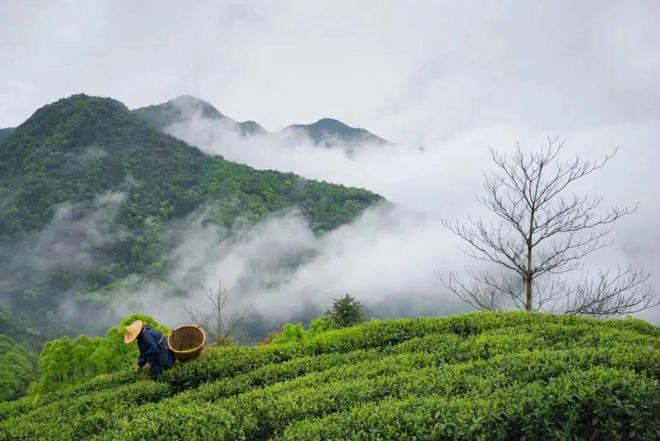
(82, 146)
(90, 195)
(91, 199)
(4, 133)
(484, 376)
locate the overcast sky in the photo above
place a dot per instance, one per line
(413, 72)
(454, 77)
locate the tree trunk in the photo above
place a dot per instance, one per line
(528, 290)
(530, 274)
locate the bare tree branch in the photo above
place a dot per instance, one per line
(480, 295)
(611, 293)
(216, 321)
(543, 233)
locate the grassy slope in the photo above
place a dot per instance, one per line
(475, 376)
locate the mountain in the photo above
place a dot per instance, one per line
(90, 192)
(328, 132)
(81, 146)
(4, 133)
(479, 376)
(185, 108)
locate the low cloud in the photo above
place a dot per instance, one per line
(48, 266)
(282, 271)
(388, 257)
(75, 230)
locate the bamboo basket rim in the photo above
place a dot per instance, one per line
(187, 351)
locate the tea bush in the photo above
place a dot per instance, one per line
(473, 376)
(594, 404)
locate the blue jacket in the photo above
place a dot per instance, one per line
(154, 350)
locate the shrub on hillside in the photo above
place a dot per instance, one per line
(65, 361)
(346, 311)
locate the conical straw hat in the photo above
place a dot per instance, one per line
(132, 331)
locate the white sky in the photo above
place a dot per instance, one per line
(413, 72)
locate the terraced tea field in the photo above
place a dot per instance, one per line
(475, 376)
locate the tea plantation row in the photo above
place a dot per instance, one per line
(475, 376)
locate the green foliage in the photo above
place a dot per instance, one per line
(49, 162)
(4, 133)
(64, 361)
(17, 368)
(346, 311)
(71, 152)
(476, 376)
(113, 354)
(296, 332)
(83, 416)
(290, 333)
(321, 324)
(598, 403)
(19, 344)
(14, 326)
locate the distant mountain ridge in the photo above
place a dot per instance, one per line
(185, 108)
(326, 132)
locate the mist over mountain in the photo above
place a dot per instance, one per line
(328, 132)
(185, 108)
(94, 200)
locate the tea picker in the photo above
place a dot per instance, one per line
(159, 353)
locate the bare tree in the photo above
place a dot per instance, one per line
(544, 231)
(217, 323)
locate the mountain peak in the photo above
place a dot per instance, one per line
(185, 108)
(331, 121)
(82, 103)
(74, 114)
(189, 103)
(330, 132)
(179, 109)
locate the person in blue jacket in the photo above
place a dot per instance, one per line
(155, 354)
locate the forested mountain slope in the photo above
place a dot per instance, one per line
(4, 133)
(82, 146)
(88, 170)
(477, 376)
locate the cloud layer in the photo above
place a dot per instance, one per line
(390, 257)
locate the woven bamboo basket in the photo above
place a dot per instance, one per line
(187, 342)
